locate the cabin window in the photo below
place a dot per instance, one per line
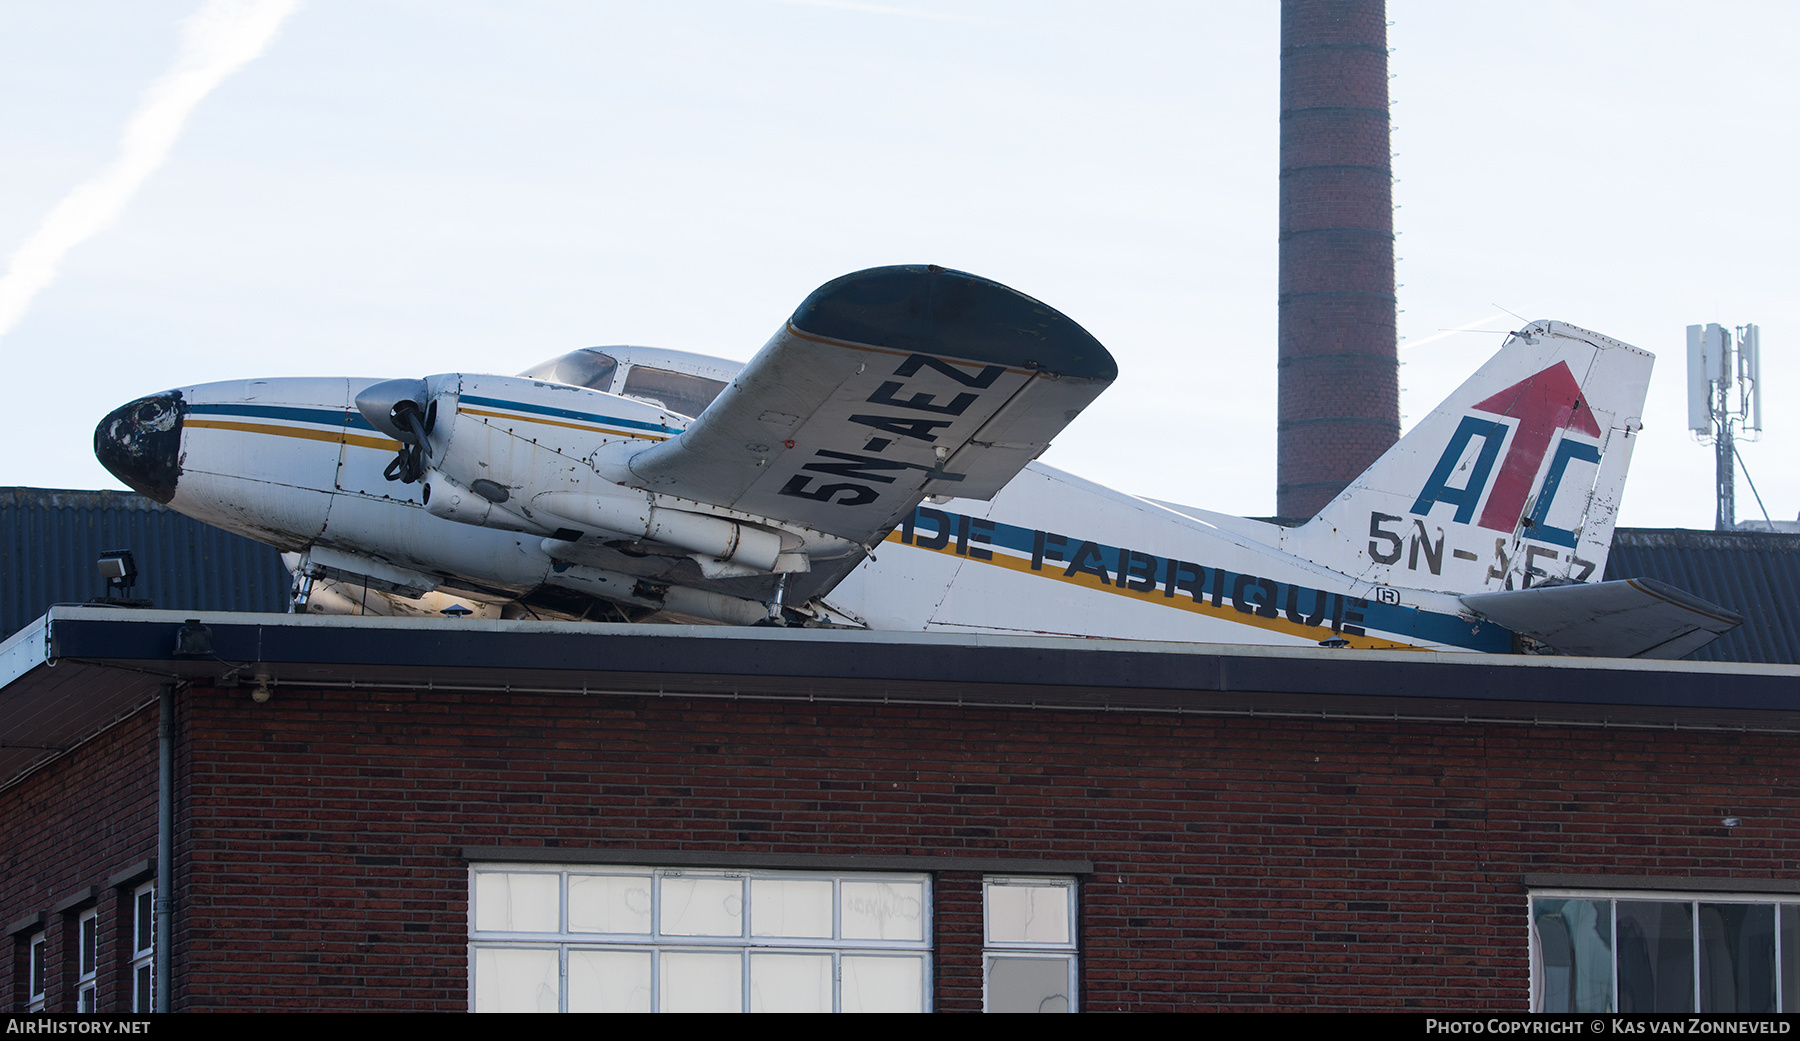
(1653, 952)
(675, 391)
(584, 368)
(1028, 941)
(547, 938)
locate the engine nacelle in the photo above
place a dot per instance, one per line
(636, 514)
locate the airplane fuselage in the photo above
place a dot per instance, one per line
(874, 465)
(292, 463)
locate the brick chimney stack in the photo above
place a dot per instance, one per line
(1339, 401)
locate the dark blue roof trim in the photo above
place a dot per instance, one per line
(676, 659)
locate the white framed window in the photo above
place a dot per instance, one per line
(1029, 944)
(143, 948)
(37, 971)
(578, 938)
(1635, 951)
(87, 964)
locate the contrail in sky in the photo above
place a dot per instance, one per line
(1441, 333)
(219, 39)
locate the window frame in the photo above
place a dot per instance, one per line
(142, 961)
(1068, 951)
(661, 939)
(37, 970)
(1779, 903)
(87, 960)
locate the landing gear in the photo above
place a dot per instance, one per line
(302, 592)
(776, 617)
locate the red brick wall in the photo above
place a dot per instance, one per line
(1239, 862)
(70, 825)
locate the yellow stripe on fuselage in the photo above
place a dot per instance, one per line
(1229, 614)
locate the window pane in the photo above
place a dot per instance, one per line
(37, 965)
(583, 368)
(874, 983)
(146, 921)
(1028, 914)
(609, 981)
(140, 993)
(609, 904)
(678, 391)
(1656, 956)
(702, 906)
(636, 938)
(695, 981)
(790, 907)
(515, 980)
(87, 944)
(1737, 958)
(790, 983)
(513, 902)
(1022, 984)
(884, 910)
(1574, 955)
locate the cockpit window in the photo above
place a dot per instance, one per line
(677, 391)
(583, 368)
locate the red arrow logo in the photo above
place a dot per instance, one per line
(1543, 404)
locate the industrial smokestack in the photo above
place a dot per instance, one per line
(1339, 389)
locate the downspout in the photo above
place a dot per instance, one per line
(165, 843)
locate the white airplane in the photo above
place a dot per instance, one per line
(873, 466)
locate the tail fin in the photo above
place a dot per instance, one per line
(1515, 480)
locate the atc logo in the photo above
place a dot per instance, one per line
(1541, 404)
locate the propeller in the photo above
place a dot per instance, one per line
(393, 408)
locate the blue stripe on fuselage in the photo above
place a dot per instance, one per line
(1251, 594)
(564, 413)
(330, 417)
(352, 418)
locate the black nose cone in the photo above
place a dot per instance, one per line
(141, 444)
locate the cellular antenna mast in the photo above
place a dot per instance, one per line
(1715, 366)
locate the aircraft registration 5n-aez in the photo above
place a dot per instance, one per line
(873, 466)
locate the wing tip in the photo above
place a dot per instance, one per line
(930, 309)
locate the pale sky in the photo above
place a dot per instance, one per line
(403, 188)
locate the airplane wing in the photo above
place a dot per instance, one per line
(1633, 618)
(886, 386)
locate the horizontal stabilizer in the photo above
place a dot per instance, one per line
(886, 386)
(1635, 618)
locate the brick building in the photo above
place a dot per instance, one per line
(453, 814)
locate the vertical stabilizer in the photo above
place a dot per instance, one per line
(1513, 481)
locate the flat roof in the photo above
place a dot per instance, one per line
(76, 670)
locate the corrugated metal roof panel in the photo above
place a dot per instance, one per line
(50, 539)
(1755, 573)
